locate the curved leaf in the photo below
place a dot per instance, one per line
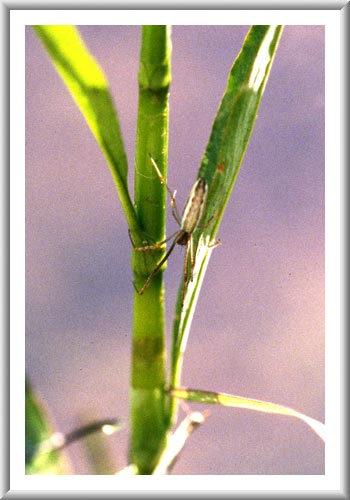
(248, 404)
(221, 162)
(89, 88)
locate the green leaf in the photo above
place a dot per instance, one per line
(88, 86)
(38, 431)
(248, 404)
(221, 162)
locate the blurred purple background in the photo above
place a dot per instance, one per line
(258, 330)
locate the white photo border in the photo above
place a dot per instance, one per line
(333, 482)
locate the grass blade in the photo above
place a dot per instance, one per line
(220, 165)
(89, 88)
(248, 404)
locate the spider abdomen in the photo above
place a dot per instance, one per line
(194, 207)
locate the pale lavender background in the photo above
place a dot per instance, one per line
(259, 325)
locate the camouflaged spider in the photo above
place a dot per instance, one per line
(188, 223)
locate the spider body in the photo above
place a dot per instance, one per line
(193, 209)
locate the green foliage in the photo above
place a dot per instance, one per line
(233, 401)
(38, 431)
(89, 88)
(221, 163)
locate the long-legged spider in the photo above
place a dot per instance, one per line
(188, 223)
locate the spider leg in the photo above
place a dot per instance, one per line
(210, 221)
(185, 285)
(156, 269)
(172, 194)
(193, 257)
(215, 244)
(174, 209)
(156, 245)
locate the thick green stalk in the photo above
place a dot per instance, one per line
(148, 423)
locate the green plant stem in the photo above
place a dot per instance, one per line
(148, 423)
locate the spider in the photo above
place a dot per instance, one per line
(188, 223)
